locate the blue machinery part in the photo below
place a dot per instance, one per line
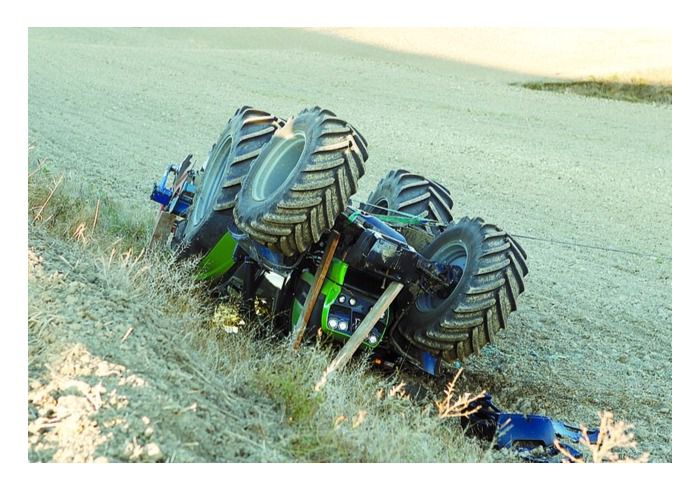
(524, 433)
(176, 199)
(429, 363)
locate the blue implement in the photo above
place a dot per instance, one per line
(177, 198)
(532, 436)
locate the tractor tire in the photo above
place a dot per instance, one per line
(406, 192)
(403, 191)
(226, 167)
(301, 182)
(494, 266)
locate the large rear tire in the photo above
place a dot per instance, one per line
(494, 266)
(301, 181)
(229, 162)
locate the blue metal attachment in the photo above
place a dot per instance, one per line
(176, 199)
(532, 436)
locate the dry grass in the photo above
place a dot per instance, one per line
(614, 440)
(72, 211)
(450, 408)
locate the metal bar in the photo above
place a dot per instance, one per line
(312, 298)
(360, 334)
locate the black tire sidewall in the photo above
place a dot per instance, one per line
(309, 125)
(212, 167)
(193, 240)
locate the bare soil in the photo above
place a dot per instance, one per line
(110, 107)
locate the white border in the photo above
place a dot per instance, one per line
(302, 13)
(327, 13)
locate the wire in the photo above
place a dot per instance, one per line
(534, 238)
(594, 247)
(401, 213)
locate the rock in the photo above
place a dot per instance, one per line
(152, 453)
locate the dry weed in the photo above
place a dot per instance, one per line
(450, 408)
(56, 184)
(359, 418)
(613, 436)
(398, 391)
(79, 233)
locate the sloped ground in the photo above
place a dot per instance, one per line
(127, 365)
(130, 360)
(109, 107)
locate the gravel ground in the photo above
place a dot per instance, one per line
(110, 107)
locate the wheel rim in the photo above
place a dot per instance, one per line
(214, 178)
(455, 254)
(278, 167)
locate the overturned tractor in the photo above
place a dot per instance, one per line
(271, 210)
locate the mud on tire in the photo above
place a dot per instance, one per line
(406, 192)
(301, 182)
(228, 163)
(494, 266)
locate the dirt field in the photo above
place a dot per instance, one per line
(594, 329)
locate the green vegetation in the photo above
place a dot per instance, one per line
(632, 91)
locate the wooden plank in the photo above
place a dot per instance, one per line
(161, 230)
(360, 334)
(312, 297)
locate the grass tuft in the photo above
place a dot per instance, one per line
(636, 90)
(614, 441)
(71, 212)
